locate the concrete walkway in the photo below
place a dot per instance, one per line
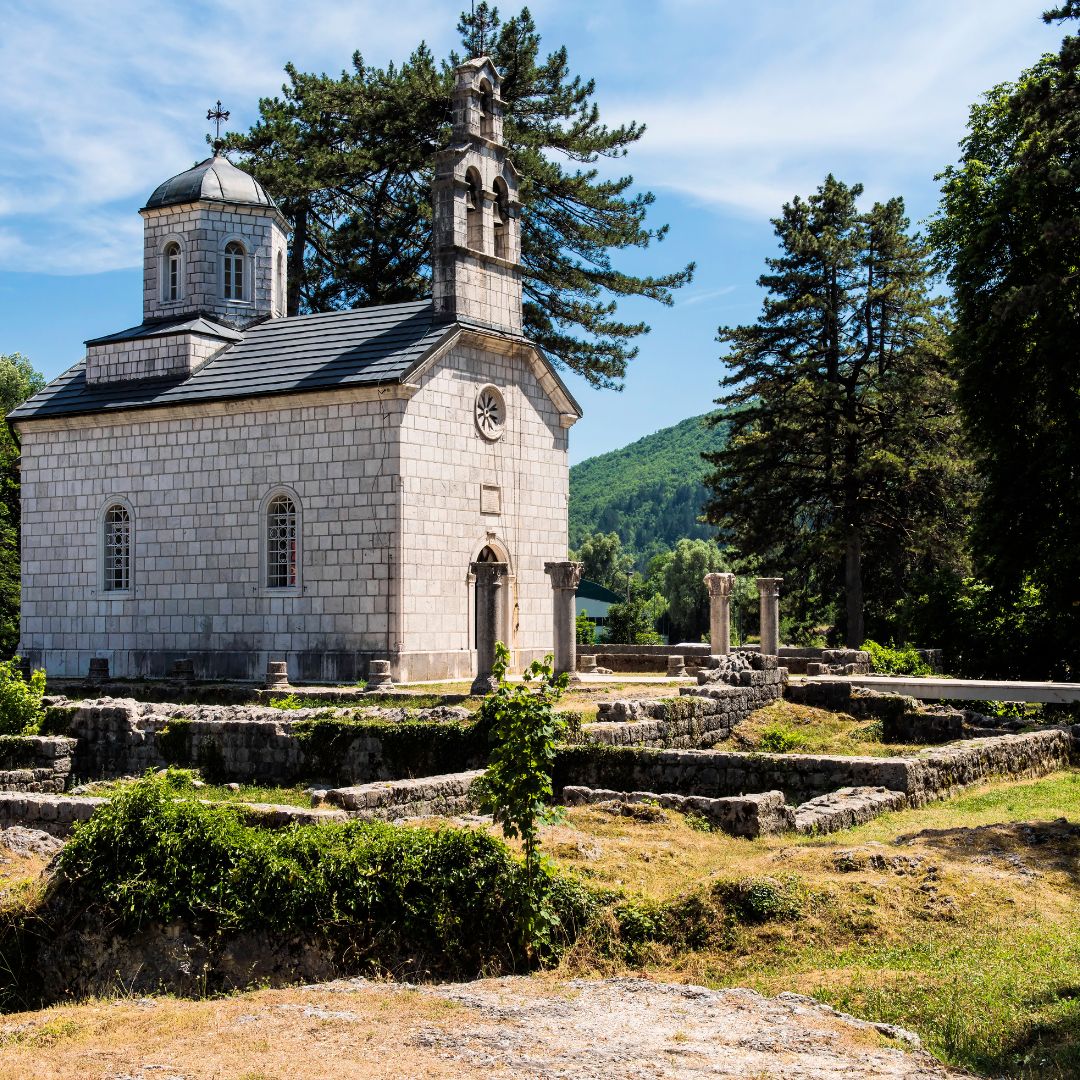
(1056, 693)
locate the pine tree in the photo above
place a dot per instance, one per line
(350, 161)
(844, 465)
(1009, 230)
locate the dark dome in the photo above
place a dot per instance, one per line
(217, 180)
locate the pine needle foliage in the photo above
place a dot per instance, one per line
(844, 470)
(350, 159)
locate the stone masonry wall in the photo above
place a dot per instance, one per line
(150, 357)
(930, 774)
(121, 737)
(445, 528)
(425, 796)
(203, 230)
(196, 485)
(35, 763)
(694, 719)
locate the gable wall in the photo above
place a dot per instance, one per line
(444, 529)
(196, 486)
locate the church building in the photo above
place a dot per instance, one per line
(226, 484)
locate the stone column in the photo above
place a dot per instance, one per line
(565, 578)
(769, 587)
(490, 579)
(720, 587)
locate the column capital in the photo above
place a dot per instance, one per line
(490, 573)
(565, 574)
(769, 586)
(719, 584)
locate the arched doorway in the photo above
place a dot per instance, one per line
(492, 603)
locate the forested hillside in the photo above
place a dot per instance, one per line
(649, 492)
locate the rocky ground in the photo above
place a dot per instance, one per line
(513, 1027)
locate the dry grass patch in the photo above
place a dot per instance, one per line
(270, 1035)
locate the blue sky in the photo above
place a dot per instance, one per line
(747, 104)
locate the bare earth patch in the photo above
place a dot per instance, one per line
(512, 1027)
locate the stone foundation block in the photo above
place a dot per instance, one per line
(426, 796)
(744, 815)
(846, 807)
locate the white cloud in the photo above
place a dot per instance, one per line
(746, 104)
(101, 101)
(885, 90)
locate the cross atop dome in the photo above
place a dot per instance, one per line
(219, 116)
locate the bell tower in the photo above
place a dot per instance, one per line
(476, 266)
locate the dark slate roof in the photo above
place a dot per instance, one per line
(366, 346)
(190, 324)
(215, 180)
(279, 356)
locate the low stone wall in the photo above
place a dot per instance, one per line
(743, 815)
(35, 763)
(122, 737)
(58, 814)
(428, 796)
(54, 814)
(697, 717)
(921, 777)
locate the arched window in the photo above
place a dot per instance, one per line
(487, 110)
(502, 219)
(279, 281)
(474, 210)
(171, 272)
(282, 543)
(116, 547)
(233, 270)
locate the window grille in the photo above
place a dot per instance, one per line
(117, 549)
(281, 544)
(234, 271)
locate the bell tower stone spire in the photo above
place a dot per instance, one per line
(476, 269)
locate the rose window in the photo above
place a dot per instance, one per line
(490, 413)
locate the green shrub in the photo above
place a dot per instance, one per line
(584, 629)
(443, 901)
(779, 739)
(286, 701)
(896, 659)
(759, 900)
(21, 711)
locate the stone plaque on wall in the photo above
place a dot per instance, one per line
(490, 499)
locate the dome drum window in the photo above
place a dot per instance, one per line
(234, 271)
(171, 273)
(490, 413)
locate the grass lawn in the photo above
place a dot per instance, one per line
(960, 921)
